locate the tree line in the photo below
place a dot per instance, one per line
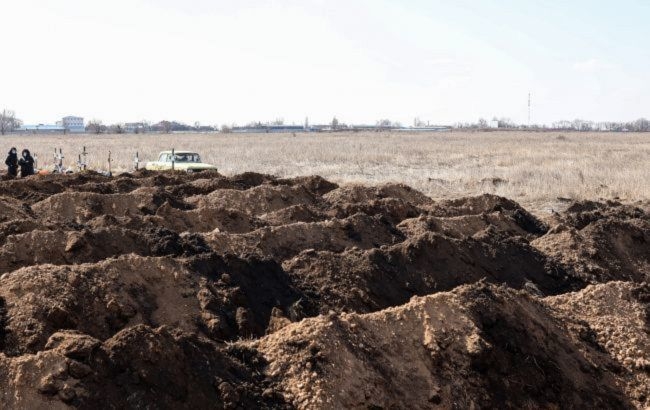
(639, 125)
(9, 122)
(96, 126)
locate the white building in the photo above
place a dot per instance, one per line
(135, 127)
(73, 124)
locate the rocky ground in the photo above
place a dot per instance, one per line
(202, 291)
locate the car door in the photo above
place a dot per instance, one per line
(160, 164)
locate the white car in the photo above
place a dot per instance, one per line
(179, 160)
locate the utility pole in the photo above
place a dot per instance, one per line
(529, 95)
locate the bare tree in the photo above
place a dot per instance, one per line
(95, 126)
(506, 123)
(335, 123)
(146, 126)
(642, 125)
(8, 121)
(384, 123)
(166, 126)
(117, 129)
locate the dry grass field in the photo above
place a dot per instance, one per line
(533, 168)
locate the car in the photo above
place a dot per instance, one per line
(187, 161)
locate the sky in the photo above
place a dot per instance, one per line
(224, 62)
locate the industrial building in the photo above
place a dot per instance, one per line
(73, 124)
(136, 127)
(42, 129)
(270, 129)
(68, 124)
(422, 129)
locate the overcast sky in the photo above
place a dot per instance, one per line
(221, 62)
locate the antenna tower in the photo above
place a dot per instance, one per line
(529, 110)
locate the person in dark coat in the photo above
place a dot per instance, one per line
(26, 164)
(12, 162)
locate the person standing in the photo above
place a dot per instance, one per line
(12, 162)
(26, 164)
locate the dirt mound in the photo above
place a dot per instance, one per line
(219, 297)
(365, 281)
(315, 184)
(97, 300)
(206, 219)
(293, 214)
(358, 194)
(82, 206)
(490, 204)
(468, 225)
(258, 200)
(283, 242)
(249, 180)
(393, 209)
(177, 290)
(11, 210)
(137, 368)
(60, 247)
(615, 318)
(479, 346)
(201, 186)
(395, 202)
(17, 226)
(580, 214)
(474, 205)
(605, 249)
(31, 189)
(116, 186)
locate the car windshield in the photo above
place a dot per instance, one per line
(187, 158)
(190, 157)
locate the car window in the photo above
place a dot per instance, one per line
(184, 158)
(180, 157)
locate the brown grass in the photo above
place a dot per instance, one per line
(533, 168)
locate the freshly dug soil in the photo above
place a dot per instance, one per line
(171, 290)
(478, 346)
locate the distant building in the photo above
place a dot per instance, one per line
(364, 127)
(269, 129)
(135, 127)
(42, 129)
(423, 129)
(73, 124)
